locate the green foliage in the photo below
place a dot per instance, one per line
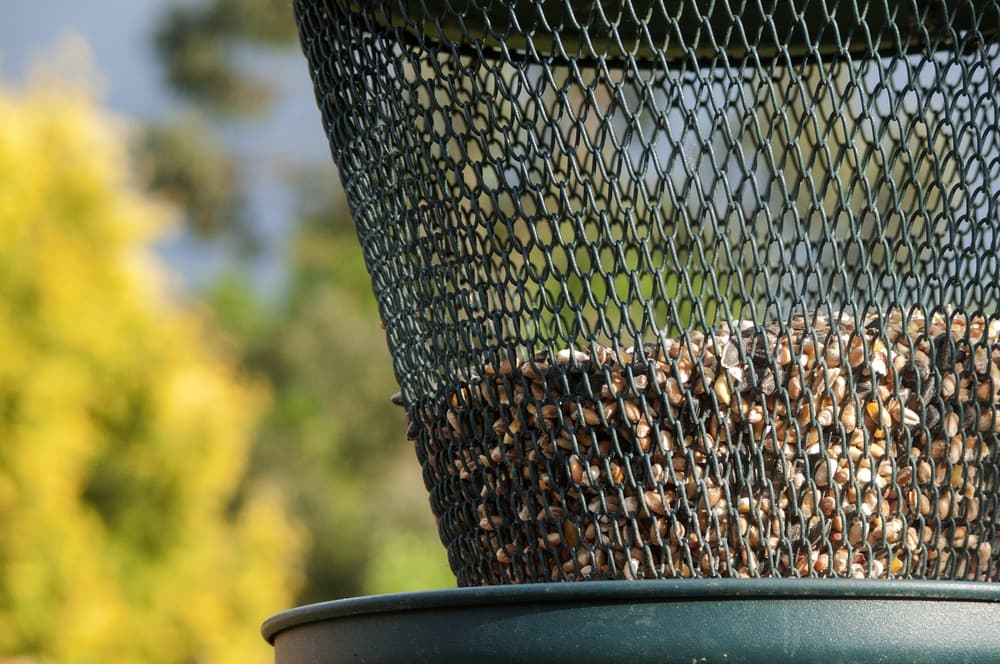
(263, 22)
(183, 162)
(332, 437)
(198, 44)
(126, 427)
(405, 561)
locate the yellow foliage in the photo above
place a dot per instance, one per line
(125, 534)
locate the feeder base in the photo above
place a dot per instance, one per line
(732, 620)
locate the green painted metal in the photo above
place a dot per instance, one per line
(685, 29)
(727, 620)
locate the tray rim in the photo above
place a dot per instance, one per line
(617, 592)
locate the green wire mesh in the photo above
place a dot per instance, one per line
(682, 289)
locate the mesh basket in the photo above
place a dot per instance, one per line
(684, 289)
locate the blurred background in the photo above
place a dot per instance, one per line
(195, 426)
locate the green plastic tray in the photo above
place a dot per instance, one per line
(732, 620)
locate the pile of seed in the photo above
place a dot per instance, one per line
(818, 448)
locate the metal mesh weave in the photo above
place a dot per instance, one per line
(675, 291)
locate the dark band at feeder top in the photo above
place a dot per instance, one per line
(686, 29)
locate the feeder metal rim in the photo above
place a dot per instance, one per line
(621, 592)
(677, 31)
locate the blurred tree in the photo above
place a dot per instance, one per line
(198, 44)
(180, 158)
(332, 438)
(182, 161)
(125, 427)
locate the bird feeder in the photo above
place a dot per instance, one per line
(698, 299)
